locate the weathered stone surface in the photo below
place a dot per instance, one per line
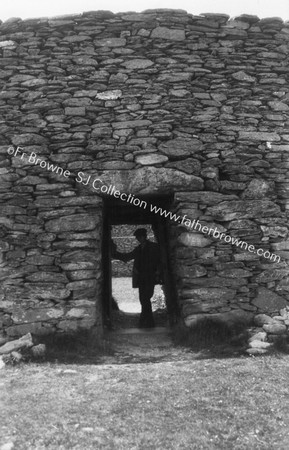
(80, 111)
(268, 301)
(7, 44)
(175, 78)
(189, 165)
(192, 271)
(284, 245)
(204, 197)
(40, 260)
(167, 33)
(209, 294)
(271, 275)
(47, 291)
(180, 147)
(259, 344)
(151, 180)
(151, 159)
(256, 351)
(257, 189)
(279, 106)
(36, 328)
(283, 285)
(193, 240)
(261, 319)
(23, 342)
(77, 313)
(162, 103)
(242, 209)
(20, 315)
(260, 336)
(242, 76)
(109, 95)
(275, 328)
(138, 64)
(52, 277)
(110, 42)
(131, 124)
(259, 136)
(28, 139)
(38, 351)
(75, 222)
(74, 39)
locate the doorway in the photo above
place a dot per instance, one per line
(121, 306)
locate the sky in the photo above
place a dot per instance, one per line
(50, 8)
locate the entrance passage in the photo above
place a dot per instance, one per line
(126, 307)
(121, 305)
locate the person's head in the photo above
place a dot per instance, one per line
(141, 235)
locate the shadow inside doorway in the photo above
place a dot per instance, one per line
(121, 303)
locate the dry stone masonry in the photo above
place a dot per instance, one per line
(159, 102)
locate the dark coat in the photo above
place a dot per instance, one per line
(146, 266)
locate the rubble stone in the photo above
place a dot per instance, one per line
(190, 111)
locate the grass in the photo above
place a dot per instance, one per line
(237, 403)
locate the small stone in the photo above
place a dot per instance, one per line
(242, 76)
(23, 342)
(28, 139)
(259, 136)
(131, 124)
(256, 351)
(274, 328)
(2, 366)
(7, 446)
(151, 159)
(7, 44)
(110, 42)
(179, 147)
(76, 313)
(16, 357)
(262, 319)
(278, 106)
(179, 92)
(109, 95)
(168, 33)
(260, 336)
(75, 222)
(282, 319)
(137, 64)
(76, 38)
(256, 189)
(80, 111)
(193, 240)
(38, 351)
(259, 344)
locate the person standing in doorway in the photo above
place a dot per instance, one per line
(145, 274)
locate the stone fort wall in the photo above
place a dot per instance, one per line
(153, 103)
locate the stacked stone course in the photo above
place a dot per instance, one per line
(159, 102)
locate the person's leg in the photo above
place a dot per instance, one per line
(146, 317)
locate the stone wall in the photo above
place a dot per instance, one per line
(153, 103)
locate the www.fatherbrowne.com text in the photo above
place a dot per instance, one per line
(100, 187)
